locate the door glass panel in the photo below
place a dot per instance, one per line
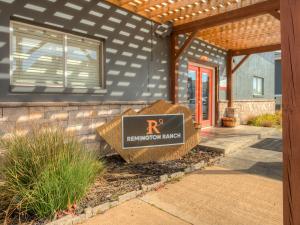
(205, 96)
(191, 87)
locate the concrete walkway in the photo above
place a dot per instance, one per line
(244, 189)
(228, 140)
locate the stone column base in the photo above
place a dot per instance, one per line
(233, 112)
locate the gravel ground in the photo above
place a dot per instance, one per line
(120, 177)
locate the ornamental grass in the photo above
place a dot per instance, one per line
(267, 120)
(45, 172)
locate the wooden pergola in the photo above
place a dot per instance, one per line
(242, 27)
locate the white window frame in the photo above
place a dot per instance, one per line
(49, 89)
(262, 86)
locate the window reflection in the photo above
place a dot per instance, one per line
(191, 86)
(205, 96)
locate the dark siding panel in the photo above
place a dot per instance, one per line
(138, 78)
(278, 81)
(196, 50)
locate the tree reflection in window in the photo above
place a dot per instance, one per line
(191, 90)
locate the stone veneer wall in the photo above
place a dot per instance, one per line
(78, 118)
(248, 108)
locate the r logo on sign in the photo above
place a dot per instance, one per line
(152, 126)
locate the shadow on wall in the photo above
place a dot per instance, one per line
(136, 60)
(197, 50)
(80, 121)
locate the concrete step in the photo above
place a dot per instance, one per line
(228, 140)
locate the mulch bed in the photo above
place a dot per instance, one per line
(120, 177)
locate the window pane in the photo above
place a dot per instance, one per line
(258, 86)
(191, 88)
(254, 85)
(37, 57)
(191, 84)
(83, 63)
(205, 96)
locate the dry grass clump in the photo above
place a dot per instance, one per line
(267, 120)
(44, 172)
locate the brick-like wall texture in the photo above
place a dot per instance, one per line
(245, 109)
(77, 119)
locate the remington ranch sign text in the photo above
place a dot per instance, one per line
(152, 130)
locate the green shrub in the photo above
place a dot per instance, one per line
(266, 120)
(45, 172)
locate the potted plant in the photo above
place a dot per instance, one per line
(229, 121)
(197, 126)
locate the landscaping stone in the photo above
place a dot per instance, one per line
(88, 212)
(127, 196)
(121, 177)
(164, 178)
(114, 204)
(101, 208)
(66, 220)
(198, 166)
(189, 169)
(79, 219)
(139, 192)
(144, 188)
(176, 175)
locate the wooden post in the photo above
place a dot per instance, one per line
(173, 70)
(229, 78)
(174, 57)
(290, 44)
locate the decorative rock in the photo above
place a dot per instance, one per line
(55, 222)
(88, 212)
(189, 169)
(212, 160)
(101, 208)
(112, 131)
(176, 175)
(127, 196)
(152, 186)
(139, 192)
(164, 178)
(66, 220)
(79, 219)
(198, 166)
(144, 188)
(114, 204)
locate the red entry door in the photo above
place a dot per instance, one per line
(200, 94)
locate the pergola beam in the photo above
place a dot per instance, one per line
(269, 48)
(230, 16)
(186, 44)
(174, 56)
(240, 63)
(275, 14)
